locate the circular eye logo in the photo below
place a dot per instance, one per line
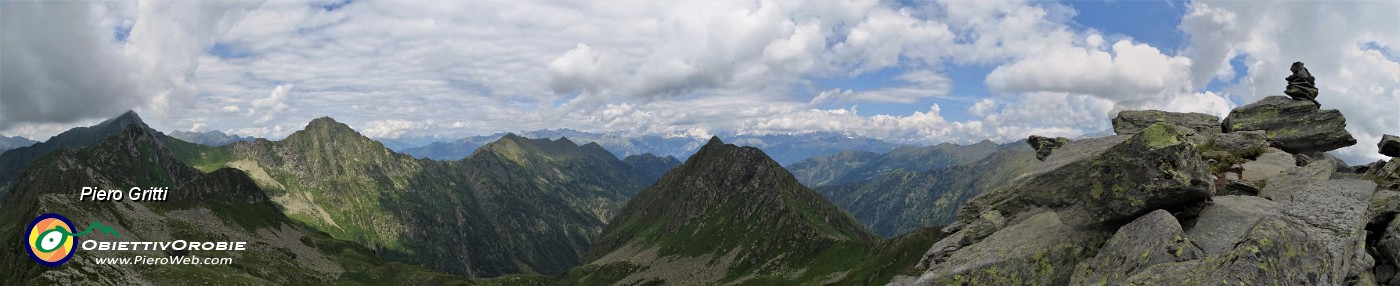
(50, 240)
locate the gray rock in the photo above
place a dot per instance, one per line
(1226, 219)
(989, 222)
(1044, 146)
(1273, 252)
(1129, 122)
(1300, 84)
(1241, 188)
(1154, 238)
(1267, 166)
(1389, 244)
(1389, 145)
(1385, 204)
(1387, 174)
(1245, 144)
(1334, 212)
(1041, 250)
(1291, 125)
(1151, 170)
(1289, 181)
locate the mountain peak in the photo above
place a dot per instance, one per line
(714, 140)
(725, 188)
(325, 122)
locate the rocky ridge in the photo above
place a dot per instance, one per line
(1184, 199)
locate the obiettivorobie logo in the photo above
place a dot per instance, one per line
(51, 239)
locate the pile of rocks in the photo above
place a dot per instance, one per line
(1184, 199)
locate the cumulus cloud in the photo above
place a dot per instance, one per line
(274, 104)
(64, 62)
(693, 67)
(1355, 65)
(919, 85)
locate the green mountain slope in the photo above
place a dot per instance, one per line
(224, 205)
(729, 214)
(901, 201)
(516, 205)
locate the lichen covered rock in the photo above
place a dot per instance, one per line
(1130, 122)
(1292, 125)
(1044, 146)
(1152, 239)
(1274, 252)
(1157, 168)
(1041, 250)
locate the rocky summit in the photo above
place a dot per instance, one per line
(1390, 145)
(1253, 203)
(1295, 126)
(1130, 122)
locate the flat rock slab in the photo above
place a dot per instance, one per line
(1130, 122)
(1041, 250)
(1267, 166)
(1227, 219)
(1296, 126)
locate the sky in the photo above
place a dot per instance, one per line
(919, 72)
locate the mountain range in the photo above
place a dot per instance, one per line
(211, 138)
(516, 205)
(7, 143)
(223, 204)
(732, 215)
(785, 148)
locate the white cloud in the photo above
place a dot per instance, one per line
(920, 85)
(63, 61)
(274, 104)
(454, 69)
(1333, 39)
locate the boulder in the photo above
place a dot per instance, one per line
(1040, 250)
(1227, 219)
(1292, 125)
(1387, 174)
(1384, 206)
(1334, 213)
(1273, 252)
(1390, 145)
(1288, 182)
(1154, 238)
(1131, 122)
(1245, 144)
(1154, 169)
(1388, 246)
(1044, 146)
(1267, 166)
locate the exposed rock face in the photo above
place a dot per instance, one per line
(1268, 165)
(1242, 142)
(1390, 145)
(1038, 251)
(1157, 168)
(1227, 219)
(1294, 215)
(1044, 146)
(1291, 125)
(1130, 122)
(1273, 252)
(1152, 239)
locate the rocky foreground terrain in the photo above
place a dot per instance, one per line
(1185, 199)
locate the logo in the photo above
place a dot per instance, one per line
(50, 238)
